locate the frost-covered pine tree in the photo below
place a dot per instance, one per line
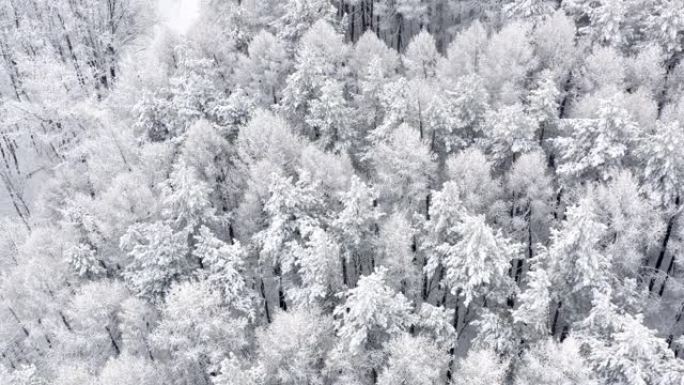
(370, 316)
(595, 148)
(341, 192)
(477, 263)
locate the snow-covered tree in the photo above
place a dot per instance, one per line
(129, 370)
(404, 167)
(347, 192)
(472, 172)
(477, 264)
(370, 316)
(632, 223)
(264, 69)
(510, 131)
(416, 360)
(319, 265)
(299, 15)
(158, 256)
(665, 25)
(23, 375)
(138, 319)
(293, 348)
(622, 349)
(554, 42)
(596, 148)
(527, 8)
(662, 166)
(436, 323)
(534, 302)
(269, 137)
(94, 334)
(396, 241)
(531, 189)
(602, 69)
(321, 56)
(372, 312)
(464, 54)
(480, 367)
(507, 60)
(370, 48)
(578, 265)
(224, 269)
(550, 362)
(234, 371)
(290, 210)
(356, 227)
(646, 71)
(545, 102)
(330, 116)
(186, 199)
(194, 90)
(421, 56)
(196, 332)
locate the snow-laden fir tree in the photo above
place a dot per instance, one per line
(341, 192)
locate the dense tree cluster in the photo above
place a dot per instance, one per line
(342, 192)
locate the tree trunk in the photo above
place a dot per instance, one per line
(428, 202)
(424, 286)
(352, 16)
(457, 309)
(17, 202)
(47, 339)
(678, 318)
(70, 47)
(670, 267)
(263, 295)
(345, 279)
(663, 250)
(65, 322)
(281, 295)
(115, 346)
(554, 325)
(370, 13)
(520, 263)
(670, 65)
(566, 96)
(16, 318)
(399, 32)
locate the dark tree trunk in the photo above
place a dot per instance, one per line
(670, 338)
(662, 100)
(670, 267)
(352, 17)
(400, 31)
(16, 318)
(345, 279)
(520, 262)
(566, 96)
(281, 295)
(65, 322)
(663, 250)
(115, 346)
(428, 202)
(262, 288)
(554, 325)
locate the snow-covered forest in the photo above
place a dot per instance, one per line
(345, 192)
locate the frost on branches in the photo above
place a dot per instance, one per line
(341, 192)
